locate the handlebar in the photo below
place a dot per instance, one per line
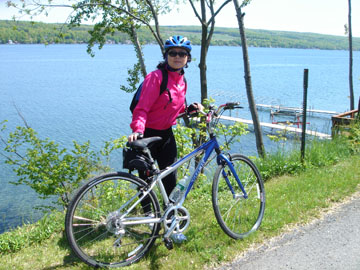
(212, 111)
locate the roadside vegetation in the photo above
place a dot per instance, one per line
(295, 193)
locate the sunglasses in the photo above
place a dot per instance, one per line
(180, 54)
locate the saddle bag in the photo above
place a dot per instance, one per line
(135, 160)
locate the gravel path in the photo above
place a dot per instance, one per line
(331, 242)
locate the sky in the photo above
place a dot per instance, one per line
(315, 16)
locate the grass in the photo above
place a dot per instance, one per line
(28, 234)
(318, 153)
(291, 200)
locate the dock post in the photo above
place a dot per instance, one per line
(303, 135)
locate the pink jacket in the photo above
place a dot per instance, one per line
(154, 110)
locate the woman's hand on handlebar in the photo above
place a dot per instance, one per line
(194, 107)
(134, 136)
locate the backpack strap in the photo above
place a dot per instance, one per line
(163, 85)
(164, 82)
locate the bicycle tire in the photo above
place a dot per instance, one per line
(238, 217)
(92, 221)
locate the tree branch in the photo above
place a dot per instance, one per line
(196, 13)
(212, 26)
(157, 36)
(219, 9)
(11, 160)
(21, 116)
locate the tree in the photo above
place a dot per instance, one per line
(249, 92)
(206, 36)
(349, 31)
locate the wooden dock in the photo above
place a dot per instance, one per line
(292, 109)
(277, 126)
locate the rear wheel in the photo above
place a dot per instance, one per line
(237, 216)
(95, 221)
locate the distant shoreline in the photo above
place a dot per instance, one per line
(213, 45)
(25, 32)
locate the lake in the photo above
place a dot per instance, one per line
(66, 95)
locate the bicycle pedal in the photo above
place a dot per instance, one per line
(168, 243)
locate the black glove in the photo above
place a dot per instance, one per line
(192, 108)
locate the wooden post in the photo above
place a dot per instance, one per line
(303, 135)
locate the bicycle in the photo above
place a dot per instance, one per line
(107, 225)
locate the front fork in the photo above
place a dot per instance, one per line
(224, 161)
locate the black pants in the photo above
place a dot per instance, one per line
(165, 153)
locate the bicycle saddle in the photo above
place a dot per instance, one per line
(144, 143)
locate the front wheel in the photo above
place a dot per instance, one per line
(236, 215)
(96, 218)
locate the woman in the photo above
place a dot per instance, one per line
(155, 114)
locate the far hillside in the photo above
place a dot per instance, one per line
(35, 32)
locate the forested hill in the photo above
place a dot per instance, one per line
(28, 33)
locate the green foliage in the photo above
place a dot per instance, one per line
(318, 153)
(133, 79)
(245, 3)
(324, 153)
(47, 168)
(290, 201)
(231, 133)
(183, 137)
(193, 134)
(352, 134)
(112, 145)
(30, 33)
(279, 163)
(121, 17)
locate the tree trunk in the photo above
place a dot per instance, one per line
(206, 36)
(202, 64)
(203, 52)
(138, 50)
(351, 87)
(136, 43)
(249, 92)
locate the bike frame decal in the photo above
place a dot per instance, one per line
(209, 147)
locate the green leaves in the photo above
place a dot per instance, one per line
(245, 3)
(194, 134)
(133, 79)
(47, 168)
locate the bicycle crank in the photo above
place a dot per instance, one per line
(177, 219)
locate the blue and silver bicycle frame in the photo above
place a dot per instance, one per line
(208, 148)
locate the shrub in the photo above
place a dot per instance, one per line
(49, 169)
